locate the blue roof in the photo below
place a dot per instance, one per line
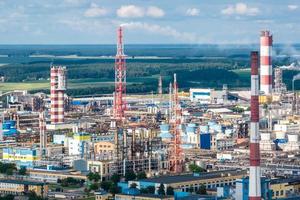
(80, 103)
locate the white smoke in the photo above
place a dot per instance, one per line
(163, 30)
(296, 77)
(292, 66)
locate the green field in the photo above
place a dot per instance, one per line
(40, 85)
(24, 86)
(71, 84)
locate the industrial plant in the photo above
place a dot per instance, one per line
(205, 143)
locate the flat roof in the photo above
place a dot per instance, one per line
(285, 180)
(192, 177)
(21, 182)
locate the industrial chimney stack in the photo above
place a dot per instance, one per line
(58, 88)
(266, 42)
(255, 174)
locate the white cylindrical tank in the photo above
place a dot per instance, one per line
(265, 136)
(292, 138)
(220, 136)
(280, 135)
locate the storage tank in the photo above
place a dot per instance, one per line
(265, 136)
(293, 138)
(280, 135)
(204, 128)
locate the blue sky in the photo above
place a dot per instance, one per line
(147, 21)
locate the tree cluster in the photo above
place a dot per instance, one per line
(196, 169)
(67, 182)
(7, 168)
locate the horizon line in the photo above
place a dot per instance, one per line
(193, 44)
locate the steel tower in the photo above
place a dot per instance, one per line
(120, 78)
(255, 174)
(176, 160)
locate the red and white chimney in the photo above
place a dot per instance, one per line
(266, 42)
(58, 88)
(255, 174)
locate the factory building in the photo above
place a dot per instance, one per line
(58, 88)
(285, 188)
(242, 191)
(287, 127)
(266, 143)
(104, 147)
(216, 137)
(103, 168)
(21, 187)
(78, 145)
(211, 180)
(209, 96)
(51, 174)
(22, 156)
(202, 96)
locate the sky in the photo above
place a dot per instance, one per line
(148, 21)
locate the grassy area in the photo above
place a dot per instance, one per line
(72, 84)
(24, 86)
(36, 85)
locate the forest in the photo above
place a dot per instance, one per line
(209, 67)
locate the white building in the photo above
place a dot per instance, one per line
(78, 145)
(202, 96)
(266, 144)
(192, 137)
(288, 128)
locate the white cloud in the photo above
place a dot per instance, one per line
(133, 11)
(240, 9)
(130, 11)
(192, 12)
(163, 30)
(95, 11)
(293, 7)
(155, 12)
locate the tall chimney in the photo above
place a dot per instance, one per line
(255, 174)
(266, 42)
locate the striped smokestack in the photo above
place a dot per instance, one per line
(58, 88)
(254, 179)
(266, 42)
